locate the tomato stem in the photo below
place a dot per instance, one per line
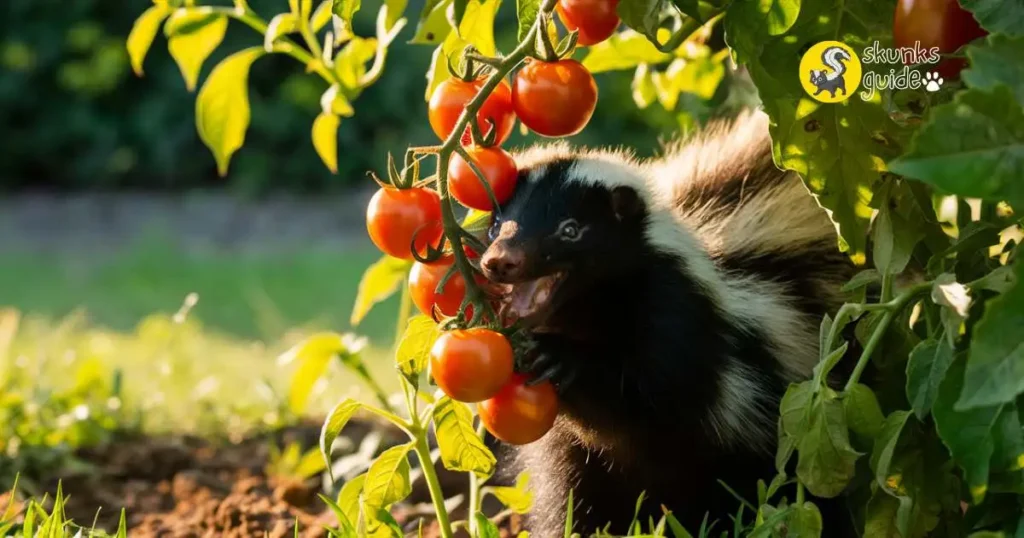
(433, 485)
(474, 491)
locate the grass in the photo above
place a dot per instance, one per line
(248, 295)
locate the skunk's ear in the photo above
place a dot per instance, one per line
(626, 203)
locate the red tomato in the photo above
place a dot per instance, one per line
(936, 23)
(499, 169)
(596, 20)
(423, 281)
(519, 414)
(471, 365)
(395, 216)
(450, 98)
(554, 98)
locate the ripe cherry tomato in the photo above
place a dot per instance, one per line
(596, 20)
(936, 23)
(520, 414)
(554, 98)
(471, 365)
(395, 216)
(423, 281)
(499, 169)
(449, 100)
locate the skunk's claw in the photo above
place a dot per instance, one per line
(547, 368)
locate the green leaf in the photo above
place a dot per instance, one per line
(192, 35)
(387, 480)
(350, 63)
(972, 147)
(476, 28)
(838, 149)
(690, 8)
(998, 16)
(332, 427)
(825, 462)
(825, 365)
(333, 101)
(863, 413)
(747, 24)
(804, 522)
(461, 448)
(345, 10)
(312, 355)
(644, 92)
(885, 445)
(967, 434)
(325, 139)
(380, 281)
(894, 235)
(395, 10)
(487, 528)
(143, 32)
(796, 408)
(349, 496)
(517, 498)
(862, 279)
(624, 50)
(880, 516)
(1008, 437)
(222, 107)
(433, 26)
(281, 25)
(997, 62)
(995, 366)
(643, 16)
(526, 14)
(926, 369)
(414, 347)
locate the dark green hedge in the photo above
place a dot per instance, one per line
(74, 116)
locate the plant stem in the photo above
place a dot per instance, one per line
(865, 355)
(423, 453)
(284, 44)
(404, 309)
(474, 492)
(799, 493)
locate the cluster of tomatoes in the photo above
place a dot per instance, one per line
(936, 23)
(552, 98)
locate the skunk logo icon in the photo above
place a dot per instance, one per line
(830, 72)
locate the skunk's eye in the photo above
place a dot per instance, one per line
(569, 229)
(492, 232)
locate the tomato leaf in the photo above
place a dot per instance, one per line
(222, 107)
(998, 16)
(623, 50)
(979, 135)
(995, 366)
(747, 24)
(997, 62)
(838, 149)
(644, 92)
(517, 498)
(644, 16)
(414, 347)
(325, 139)
(321, 15)
(350, 63)
(804, 521)
(461, 448)
(526, 14)
(476, 28)
(926, 369)
(143, 32)
(282, 24)
(380, 281)
(825, 459)
(796, 408)
(895, 230)
(348, 497)
(863, 414)
(1008, 440)
(486, 527)
(312, 355)
(880, 516)
(885, 445)
(433, 26)
(387, 480)
(332, 427)
(192, 35)
(967, 434)
(345, 10)
(862, 279)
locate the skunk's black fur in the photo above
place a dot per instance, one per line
(692, 297)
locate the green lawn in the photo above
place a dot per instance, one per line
(251, 295)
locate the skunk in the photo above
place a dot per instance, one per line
(671, 302)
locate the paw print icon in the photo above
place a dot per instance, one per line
(932, 81)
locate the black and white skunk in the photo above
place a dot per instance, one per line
(672, 302)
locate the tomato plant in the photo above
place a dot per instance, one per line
(554, 98)
(423, 282)
(519, 413)
(399, 219)
(936, 23)
(471, 365)
(498, 169)
(595, 20)
(925, 179)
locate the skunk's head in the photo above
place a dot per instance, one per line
(571, 224)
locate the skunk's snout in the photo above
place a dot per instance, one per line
(503, 263)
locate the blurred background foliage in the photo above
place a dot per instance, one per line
(75, 117)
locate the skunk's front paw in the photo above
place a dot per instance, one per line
(551, 361)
